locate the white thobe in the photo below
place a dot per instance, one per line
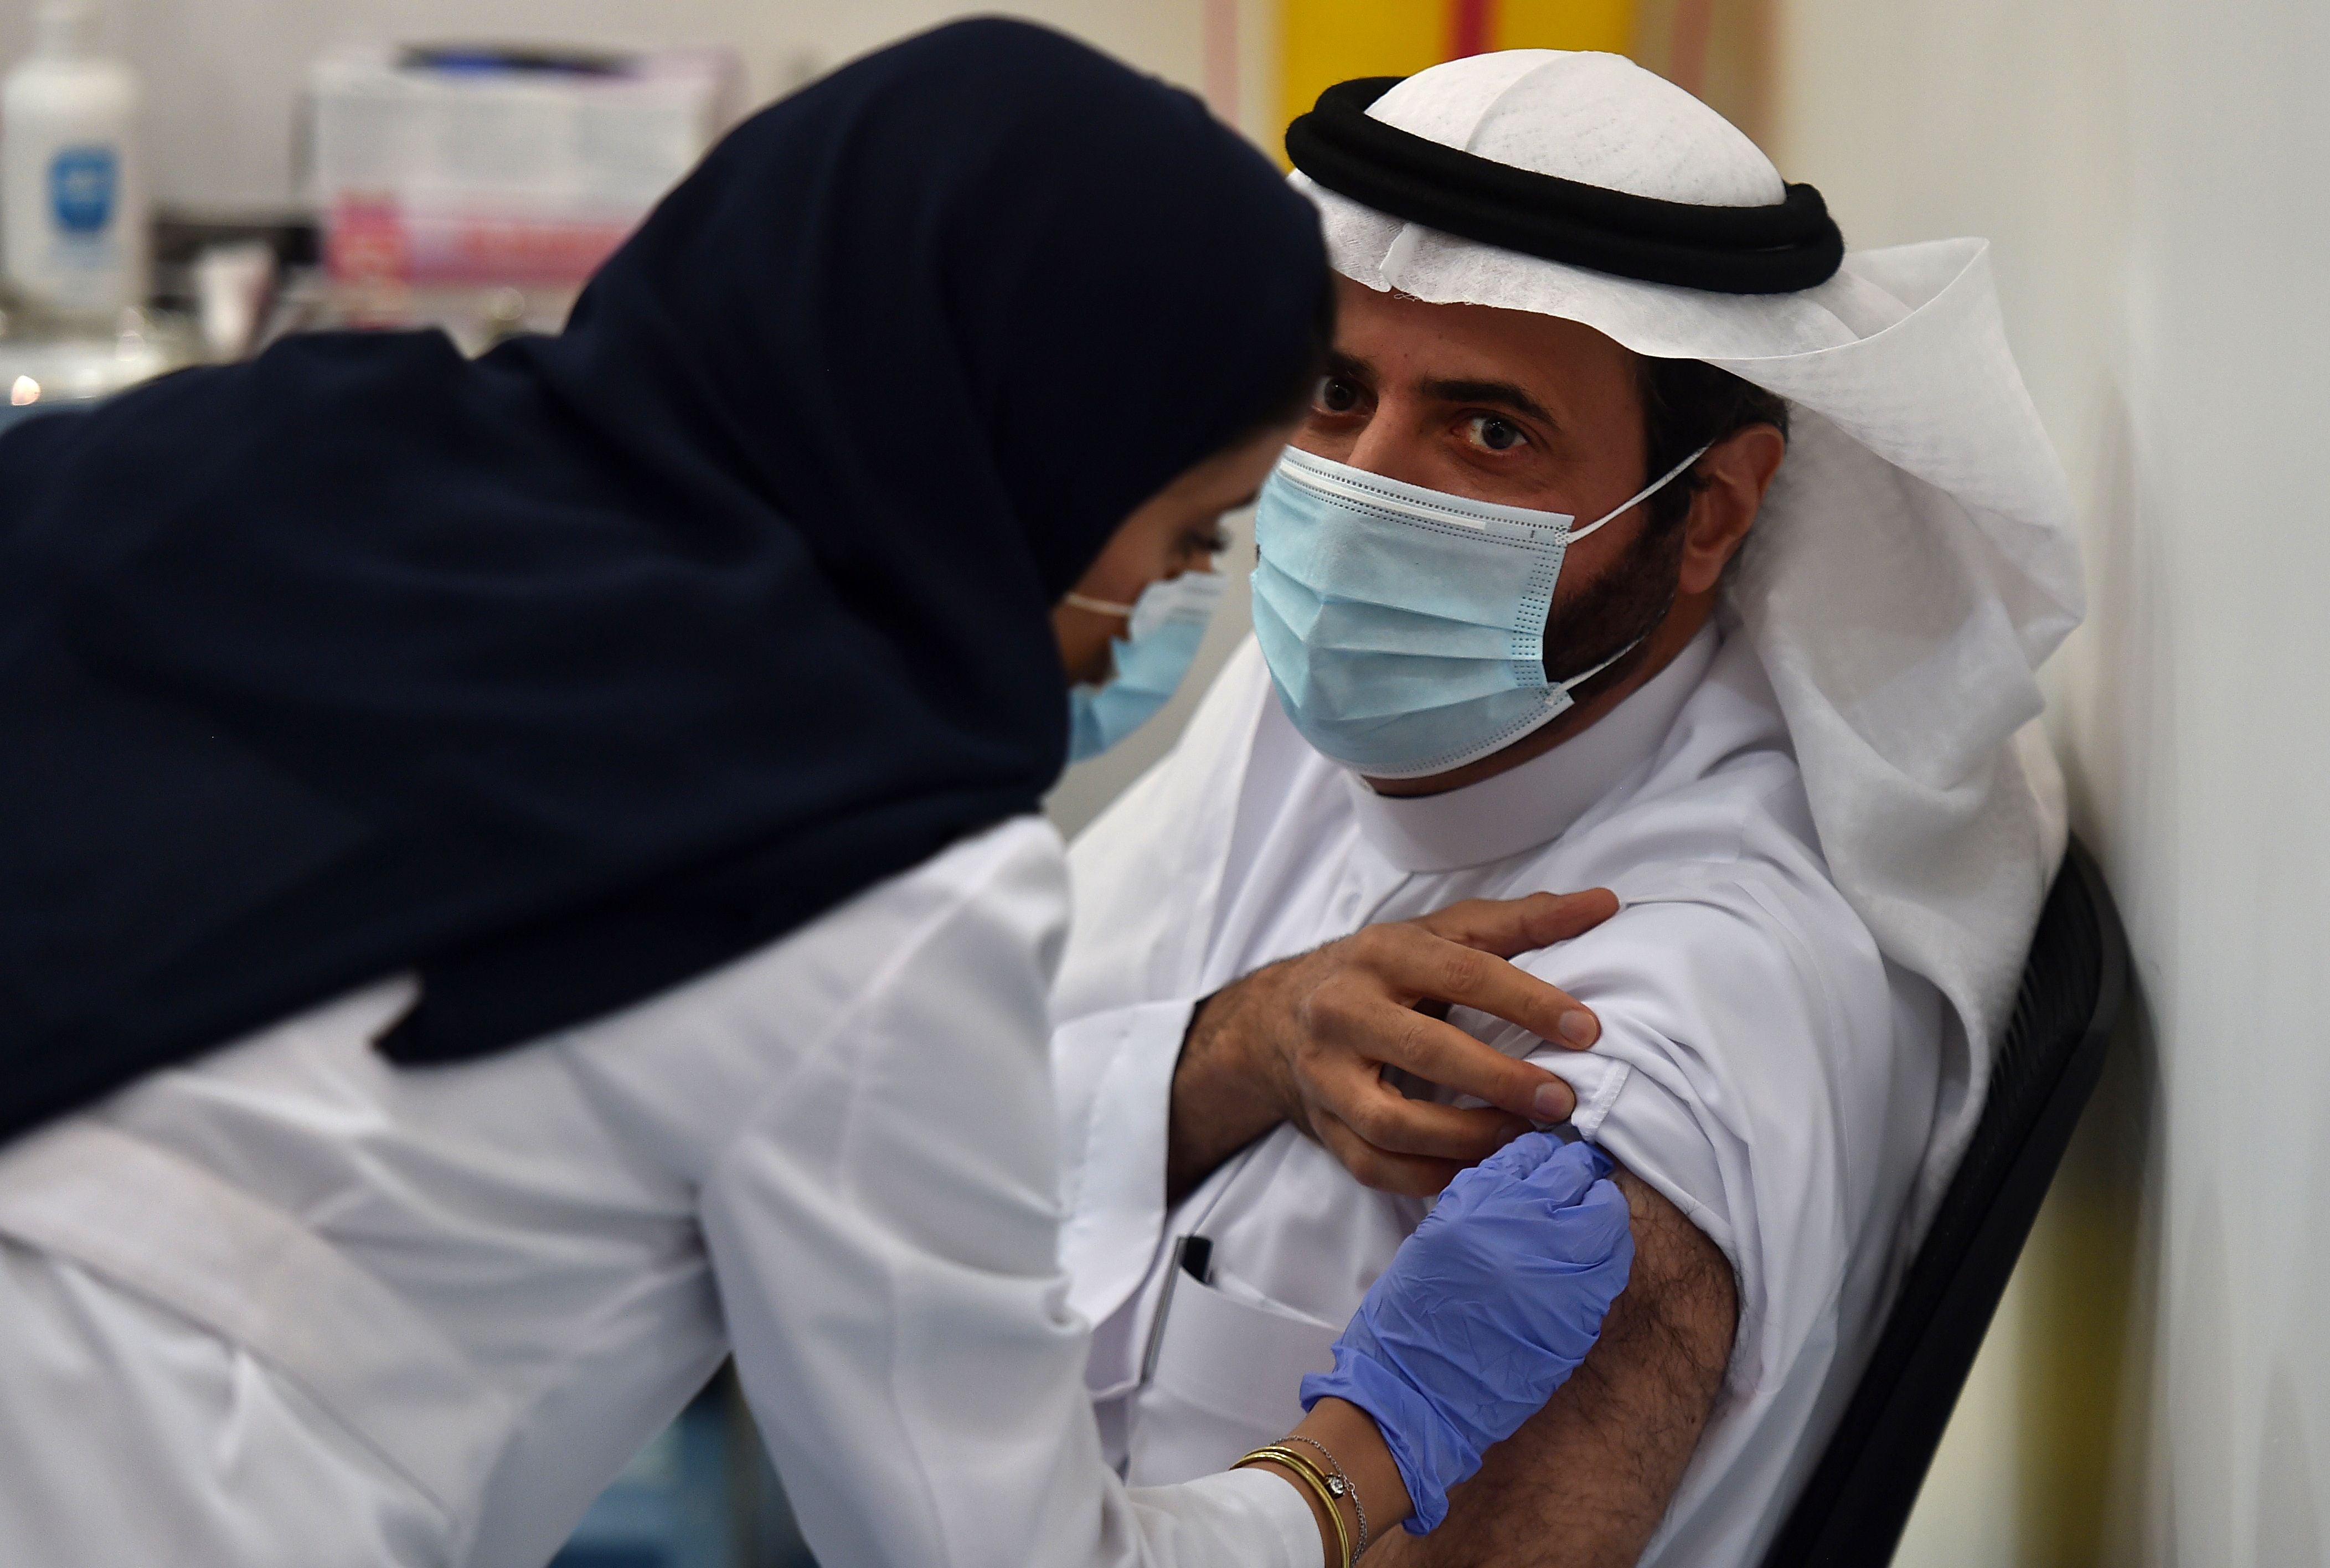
(293, 1307)
(1761, 1064)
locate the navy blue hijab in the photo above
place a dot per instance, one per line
(564, 675)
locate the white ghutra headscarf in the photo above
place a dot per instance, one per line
(1914, 561)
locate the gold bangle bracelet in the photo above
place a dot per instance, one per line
(1312, 1477)
(1304, 1466)
(1340, 1484)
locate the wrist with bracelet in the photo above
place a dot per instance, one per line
(1341, 1484)
(1331, 1485)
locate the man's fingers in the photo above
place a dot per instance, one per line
(1390, 1121)
(1408, 1174)
(1440, 1053)
(1429, 966)
(1506, 926)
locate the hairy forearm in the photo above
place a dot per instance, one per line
(1585, 1480)
(1219, 1103)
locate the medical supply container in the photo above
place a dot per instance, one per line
(74, 227)
(472, 165)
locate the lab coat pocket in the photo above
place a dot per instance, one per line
(1224, 1381)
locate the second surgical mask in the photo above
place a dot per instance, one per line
(1162, 630)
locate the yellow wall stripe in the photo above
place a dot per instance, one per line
(1325, 41)
(1604, 25)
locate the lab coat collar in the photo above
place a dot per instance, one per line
(1535, 802)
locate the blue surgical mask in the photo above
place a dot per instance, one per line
(1405, 627)
(1162, 630)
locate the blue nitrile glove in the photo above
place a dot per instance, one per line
(1485, 1311)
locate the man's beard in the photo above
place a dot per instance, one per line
(1630, 602)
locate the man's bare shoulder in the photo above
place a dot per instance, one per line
(1585, 1480)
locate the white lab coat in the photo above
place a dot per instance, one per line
(292, 1307)
(1760, 1065)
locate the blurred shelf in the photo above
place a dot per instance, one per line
(47, 365)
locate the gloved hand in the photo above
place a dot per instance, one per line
(1485, 1310)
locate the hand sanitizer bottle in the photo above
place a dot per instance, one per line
(74, 222)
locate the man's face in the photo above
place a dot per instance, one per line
(1514, 408)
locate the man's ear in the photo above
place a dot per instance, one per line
(1736, 471)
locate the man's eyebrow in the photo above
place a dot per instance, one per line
(1349, 367)
(1503, 393)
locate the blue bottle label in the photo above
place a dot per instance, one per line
(83, 182)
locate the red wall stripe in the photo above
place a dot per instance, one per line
(1470, 24)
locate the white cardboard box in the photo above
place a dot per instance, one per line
(499, 166)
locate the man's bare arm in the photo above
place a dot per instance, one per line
(1585, 1480)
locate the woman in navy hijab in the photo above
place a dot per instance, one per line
(519, 876)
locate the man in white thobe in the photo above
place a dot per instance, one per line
(1797, 749)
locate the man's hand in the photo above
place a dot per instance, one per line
(1307, 1040)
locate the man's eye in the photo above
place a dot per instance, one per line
(1494, 434)
(1335, 395)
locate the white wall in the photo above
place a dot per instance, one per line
(222, 76)
(2157, 179)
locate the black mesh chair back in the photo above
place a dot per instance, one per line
(1852, 1512)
